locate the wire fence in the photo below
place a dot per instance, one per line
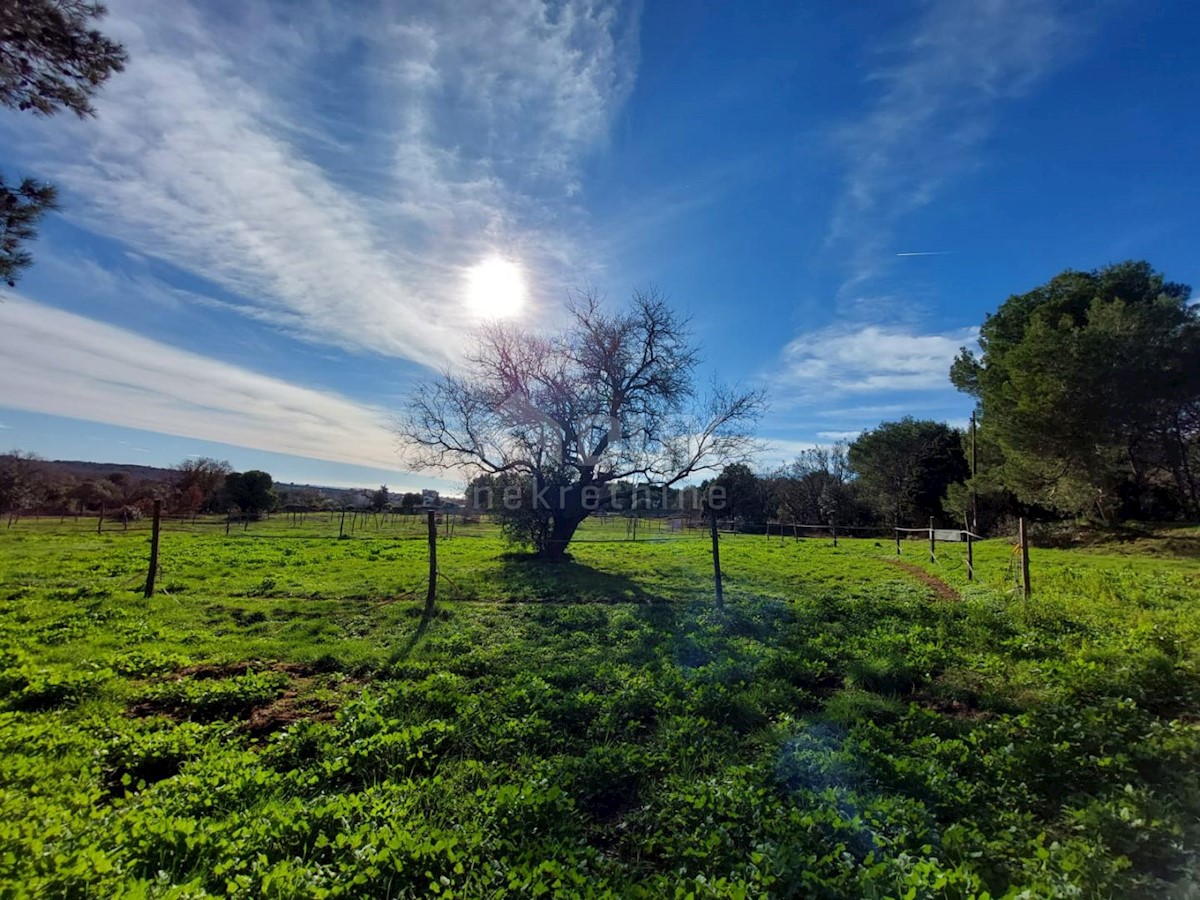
(354, 524)
(626, 527)
(1017, 570)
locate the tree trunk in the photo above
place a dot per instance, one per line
(561, 532)
(1184, 477)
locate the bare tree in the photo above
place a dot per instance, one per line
(21, 475)
(201, 475)
(563, 417)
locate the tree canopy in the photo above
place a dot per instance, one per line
(19, 476)
(199, 481)
(51, 59)
(610, 397)
(905, 467)
(380, 499)
(251, 492)
(743, 493)
(816, 488)
(1089, 385)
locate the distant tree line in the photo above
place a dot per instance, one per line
(898, 473)
(1087, 395)
(195, 486)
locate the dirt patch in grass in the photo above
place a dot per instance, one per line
(957, 709)
(943, 590)
(291, 707)
(296, 699)
(144, 709)
(231, 670)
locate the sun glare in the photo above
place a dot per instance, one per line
(495, 288)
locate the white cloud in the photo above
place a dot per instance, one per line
(939, 93)
(782, 451)
(461, 129)
(845, 359)
(838, 435)
(875, 411)
(63, 364)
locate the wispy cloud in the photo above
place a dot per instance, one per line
(939, 92)
(869, 414)
(846, 360)
(63, 364)
(215, 152)
(782, 451)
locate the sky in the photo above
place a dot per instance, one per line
(286, 214)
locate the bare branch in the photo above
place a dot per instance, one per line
(612, 396)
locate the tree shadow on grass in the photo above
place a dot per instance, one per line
(1163, 539)
(527, 578)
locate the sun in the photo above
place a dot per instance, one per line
(495, 288)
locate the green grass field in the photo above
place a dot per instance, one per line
(279, 721)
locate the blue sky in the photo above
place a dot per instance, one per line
(269, 231)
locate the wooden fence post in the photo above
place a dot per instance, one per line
(100, 521)
(153, 549)
(1024, 535)
(970, 551)
(342, 524)
(897, 530)
(932, 542)
(716, 555)
(431, 593)
(835, 534)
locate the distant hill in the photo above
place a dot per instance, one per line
(83, 470)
